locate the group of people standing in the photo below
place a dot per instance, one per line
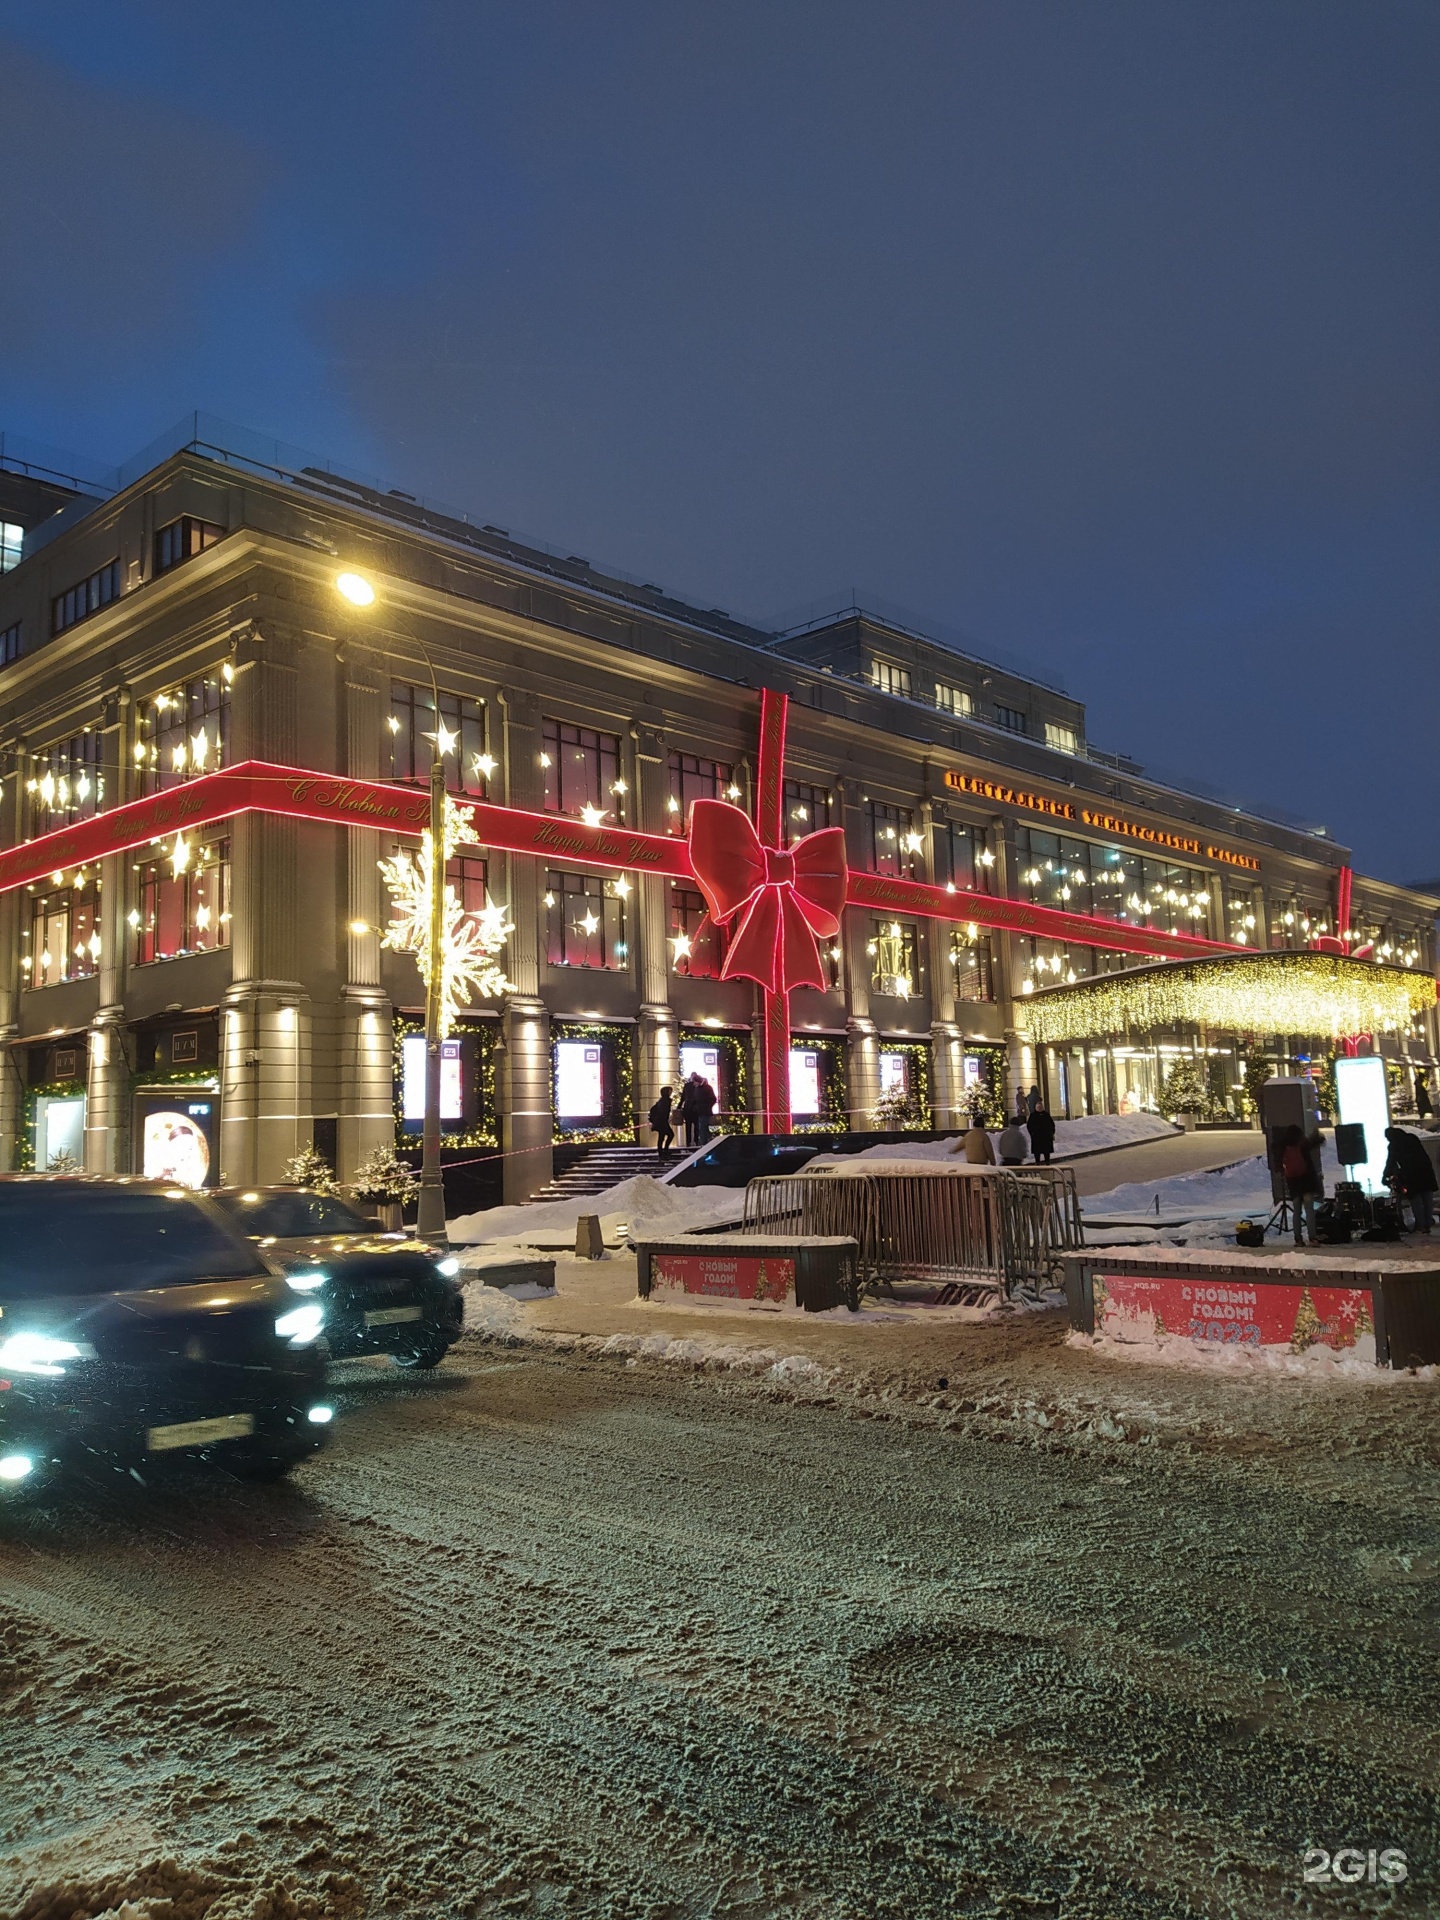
(694, 1110)
(1030, 1130)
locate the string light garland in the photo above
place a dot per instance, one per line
(1301, 993)
(469, 942)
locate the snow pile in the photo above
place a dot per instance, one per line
(641, 1204)
(1317, 1362)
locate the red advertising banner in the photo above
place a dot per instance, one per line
(1226, 1312)
(726, 1276)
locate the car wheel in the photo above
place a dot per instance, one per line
(422, 1358)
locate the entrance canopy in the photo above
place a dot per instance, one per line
(1270, 993)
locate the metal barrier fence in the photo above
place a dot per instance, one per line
(989, 1231)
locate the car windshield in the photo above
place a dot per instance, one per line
(68, 1239)
(291, 1216)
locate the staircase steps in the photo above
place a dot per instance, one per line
(594, 1169)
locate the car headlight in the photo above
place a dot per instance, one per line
(301, 1325)
(306, 1282)
(448, 1267)
(37, 1353)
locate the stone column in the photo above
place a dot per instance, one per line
(947, 1091)
(265, 1114)
(862, 1066)
(366, 1077)
(107, 1085)
(523, 1075)
(12, 1089)
(659, 1062)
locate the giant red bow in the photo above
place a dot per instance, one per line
(785, 896)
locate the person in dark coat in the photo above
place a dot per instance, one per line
(1041, 1129)
(704, 1110)
(688, 1110)
(1033, 1100)
(1423, 1104)
(1299, 1159)
(1408, 1169)
(660, 1122)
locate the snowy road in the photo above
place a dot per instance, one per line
(551, 1635)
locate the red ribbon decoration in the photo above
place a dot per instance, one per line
(787, 898)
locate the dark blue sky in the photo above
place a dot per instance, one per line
(1104, 332)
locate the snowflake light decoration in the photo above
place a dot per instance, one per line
(469, 942)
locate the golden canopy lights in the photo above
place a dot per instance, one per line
(1310, 994)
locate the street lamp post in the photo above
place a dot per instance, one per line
(430, 1215)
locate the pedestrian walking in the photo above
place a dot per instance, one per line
(1033, 1100)
(1013, 1145)
(1041, 1128)
(1423, 1103)
(1410, 1171)
(705, 1098)
(977, 1146)
(660, 1122)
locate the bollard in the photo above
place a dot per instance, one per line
(589, 1241)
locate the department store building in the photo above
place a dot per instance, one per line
(170, 620)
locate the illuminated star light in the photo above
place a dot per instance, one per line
(593, 816)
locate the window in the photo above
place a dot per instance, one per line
(411, 724)
(953, 700)
(183, 732)
(182, 540)
(973, 966)
(889, 677)
(1083, 876)
(9, 644)
(807, 810)
(183, 909)
(582, 769)
(962, 857)
(1242, 919)
(585, 920)
(12, 540)
(1011, 719)
(694, 779)
(63, 938)
(893, 839)
(894, 964)
(469, 875)
(66, 783)
(1063, 739)
(697, 945)
(85, 597)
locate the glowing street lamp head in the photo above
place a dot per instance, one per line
(355, 588)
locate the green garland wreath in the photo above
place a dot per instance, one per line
(484, 1132)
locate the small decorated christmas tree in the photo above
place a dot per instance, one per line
(382, 1180)
(1307, 1323)
(309, 1169)
(1184, 1090)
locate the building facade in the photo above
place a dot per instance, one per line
(225, 996)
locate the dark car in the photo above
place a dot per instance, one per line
(382, 1292)
(137, 1327)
